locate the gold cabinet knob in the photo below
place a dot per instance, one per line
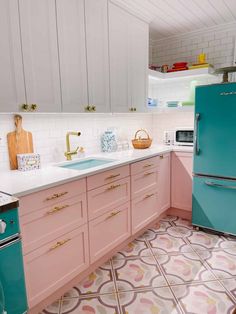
(134, 109)
(131, 109)
(87, 108)
(33, 107)
(25, 107)
(93, 108)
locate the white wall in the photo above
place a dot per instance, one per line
(217, 42)
(49, 132)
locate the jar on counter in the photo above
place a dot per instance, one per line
(108, 141)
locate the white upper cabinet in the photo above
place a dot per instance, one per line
(12, 89)
(40, 54)
(96, 18)
(128, 38)
(119, 59)
(72, 52)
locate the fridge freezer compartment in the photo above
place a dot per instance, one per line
(214, 204)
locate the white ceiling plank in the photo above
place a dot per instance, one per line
(223, 10)
(231, 5)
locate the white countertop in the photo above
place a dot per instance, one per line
(20, 183)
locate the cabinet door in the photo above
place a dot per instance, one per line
(144, 210)
(72, 52)
(164, 182)
(181, 180)
(12, 89)
(138, 63)
(119, 59)
(96, 17)
(40, 54)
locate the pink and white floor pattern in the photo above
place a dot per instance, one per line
(170, 269)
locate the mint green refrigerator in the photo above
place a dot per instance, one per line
(214, 170)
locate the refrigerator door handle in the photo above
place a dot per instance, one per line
(217, 185)
(196, 144)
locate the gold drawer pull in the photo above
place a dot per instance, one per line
(113, 214)
(112, 187)
(112, 176)
(56, 195)
(56, 209)
(148, 173)
(148, 165)
(59, 244)
(148, 195)
(161, 156)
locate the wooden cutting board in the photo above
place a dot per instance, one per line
(19, 142)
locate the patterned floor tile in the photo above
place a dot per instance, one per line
(96, 281)
(221, 263)
(180, 222)
(183, 268)
(106, 304)
(205, 240)
(137, 273)
(207, 298)
(54, 308)
(134, 249)
(157, 301)
(165, 243)
(170, 218)
(230, 284)
(161, 226)
(179, 231)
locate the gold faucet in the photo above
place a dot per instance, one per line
(68, 152)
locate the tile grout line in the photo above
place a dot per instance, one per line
(115, 285)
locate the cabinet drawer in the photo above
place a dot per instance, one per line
(48, 223)
(49, 197)
(109, 230)
(144, 165)
(56, 263)
(144, 181)
(144, 210)
(106, 177)
(108, 196)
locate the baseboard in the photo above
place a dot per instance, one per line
(182, 213)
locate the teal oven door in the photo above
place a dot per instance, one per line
(214, 204)
(12, 278)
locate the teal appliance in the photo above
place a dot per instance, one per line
(214, 170)
(12, 283)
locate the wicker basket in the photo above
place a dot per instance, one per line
(141, 143)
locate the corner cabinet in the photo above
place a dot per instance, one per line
(181, 180)
(164, 184)
(128, 40)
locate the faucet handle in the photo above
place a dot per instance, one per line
(81, 150)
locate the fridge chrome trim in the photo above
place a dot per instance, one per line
(200, 175)
(9, 240)
(223, 186)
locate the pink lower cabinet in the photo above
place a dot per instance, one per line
(181, 180)
(45, 224)
(108, 196)
(144, 210)
(164, 182)
(108, 231)
(55, 264)
(144, 181)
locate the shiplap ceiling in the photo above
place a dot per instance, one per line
(171, 17)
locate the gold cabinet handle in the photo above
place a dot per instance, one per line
(113, 214)
(147, 165)
(56, 195)
(25, 107)
(33, 107)
(112, 176)
(161, 156)
(132, 109)
(112, 187)
(148, 195)
(59, 244)
(148, 173)
(56, 209)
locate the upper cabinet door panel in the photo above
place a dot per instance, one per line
(12, 90)
(72, 52)
(40, 54)
(139, 36)
(119, 59)
(96, 17)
